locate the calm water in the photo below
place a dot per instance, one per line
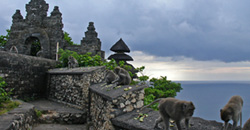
(210, 96)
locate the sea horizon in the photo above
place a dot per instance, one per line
(210, 96)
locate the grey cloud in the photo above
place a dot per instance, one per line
(202, 30)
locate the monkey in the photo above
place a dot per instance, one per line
(124, 77)
(232, 111)
(72, 62)
(175, 109)
(13, 49)
(111, 77)
(246, 125)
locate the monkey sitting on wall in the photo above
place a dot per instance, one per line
(14, 49)
(175, 109)
(124, 77)
(111, 77)
(72, 62)
(232, 111)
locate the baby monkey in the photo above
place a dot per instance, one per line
(232, 111)
(175, 109)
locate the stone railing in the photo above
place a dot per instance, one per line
(108, 102)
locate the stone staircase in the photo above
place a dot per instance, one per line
(57, 116)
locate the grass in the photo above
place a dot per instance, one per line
(8, 106)
(38, 113)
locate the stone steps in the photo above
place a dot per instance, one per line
(53, 112)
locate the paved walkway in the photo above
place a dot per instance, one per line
(58, 127)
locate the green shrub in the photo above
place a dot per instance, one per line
(4, 96)
(8, 106)
(38, 113)
(64, 54)
(161, 88)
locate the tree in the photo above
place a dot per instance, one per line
(68, 39)
(4, 39)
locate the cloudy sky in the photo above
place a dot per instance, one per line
(180, 39)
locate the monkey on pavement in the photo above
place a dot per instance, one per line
(232, 111)
(175, 109)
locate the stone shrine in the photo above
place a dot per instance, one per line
(38, 34)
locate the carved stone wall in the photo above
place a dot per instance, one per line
(37, 26)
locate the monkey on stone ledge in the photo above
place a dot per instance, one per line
(175, 109)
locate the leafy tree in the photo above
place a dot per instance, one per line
(68, 39)
(161, 88)
(64, 54)
(4, 39)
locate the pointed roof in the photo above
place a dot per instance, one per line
(123, 57)
(120, 46)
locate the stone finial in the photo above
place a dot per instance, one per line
(56, 12)
(37, 8)
(17, 16)
(91, 33)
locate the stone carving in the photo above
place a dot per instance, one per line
(72, 63)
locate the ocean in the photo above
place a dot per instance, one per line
(210, 96)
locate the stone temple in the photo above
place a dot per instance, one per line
(46, 31)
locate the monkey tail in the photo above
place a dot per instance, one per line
(155, 101)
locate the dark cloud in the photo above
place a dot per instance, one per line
(202, 30)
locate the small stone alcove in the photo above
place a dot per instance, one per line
(33, 45)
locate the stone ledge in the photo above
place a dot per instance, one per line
(127, 122)
(109, 92)
(19, 118)
(74, 71)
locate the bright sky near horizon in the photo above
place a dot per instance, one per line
(180, 39)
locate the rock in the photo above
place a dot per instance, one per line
(122, 105)
(139, 104)
(127, 102)
(129, 108)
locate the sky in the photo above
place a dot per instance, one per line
(180, 39)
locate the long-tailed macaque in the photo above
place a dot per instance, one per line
(232, 111)
(124, 77)
(111, 77)
(72, 62)
(246, 125)
(175, 109)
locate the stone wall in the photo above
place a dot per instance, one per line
(21, 118)
(71, 86)
(108, 102)
(26, 75)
